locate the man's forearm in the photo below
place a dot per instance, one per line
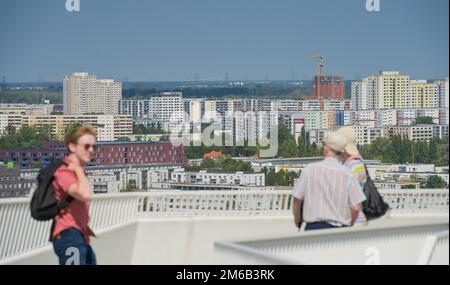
(84, 187)
(296, 211)
(355, 214)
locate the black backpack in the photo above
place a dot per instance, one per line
(374, 206)
(44, 206)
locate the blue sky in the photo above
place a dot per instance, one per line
(186, 39)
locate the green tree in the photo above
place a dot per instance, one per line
(44, 132)
(377, 150)
(131, 186)
(435, 182)
(270, 179)
(146, 130)
(36, 165)
(423, 152)
(209, 163)
(283, 134)
(26, 137)
(10, 130)
(414, 178)
(433, 150)
(397, 147)
(303, 144)
(286, 142)
(289, 148)
(405, 153)
(281, 178)
(70, 128)
(223, 164)
(401, 150)
(423, 120)
(315, 151)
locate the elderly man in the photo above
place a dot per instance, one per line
(330, 194)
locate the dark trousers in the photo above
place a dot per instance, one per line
(71, 249)
(319, 226)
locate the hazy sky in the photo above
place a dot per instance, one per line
(188, 39)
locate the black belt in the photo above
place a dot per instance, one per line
(331, 225)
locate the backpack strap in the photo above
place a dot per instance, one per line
(64, 203)
(367, 170)
(52, 229)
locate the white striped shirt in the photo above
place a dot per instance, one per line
(329, 189)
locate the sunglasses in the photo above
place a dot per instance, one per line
(88, 146)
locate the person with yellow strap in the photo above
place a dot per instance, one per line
(354, 161)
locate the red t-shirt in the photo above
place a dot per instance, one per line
(76, 215)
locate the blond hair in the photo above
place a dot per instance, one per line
(76, 134)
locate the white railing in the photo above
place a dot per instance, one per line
(20, 233)
(422, 201)
(216, 203)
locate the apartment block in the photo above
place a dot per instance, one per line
(204, 177)
(109, 127)
(85, 94)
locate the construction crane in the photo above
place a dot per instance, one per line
(320, 66)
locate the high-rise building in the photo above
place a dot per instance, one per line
(423, 95)
(162, 111)
(443, 93)
(388, 90)
(257, 125)
(444, 116)
(330, 87)
(360, 100)
(392, 90)
(193, 107)
(85, 94)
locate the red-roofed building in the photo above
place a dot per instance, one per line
(213, 154)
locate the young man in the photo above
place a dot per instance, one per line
(331, 194)
(70, 231)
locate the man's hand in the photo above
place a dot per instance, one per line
(82, 189)
(298, 222)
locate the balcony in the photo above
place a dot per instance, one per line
(235, 227)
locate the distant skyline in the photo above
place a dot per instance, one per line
(185, 40)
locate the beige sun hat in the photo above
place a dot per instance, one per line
(350, 135)
(335, 141)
